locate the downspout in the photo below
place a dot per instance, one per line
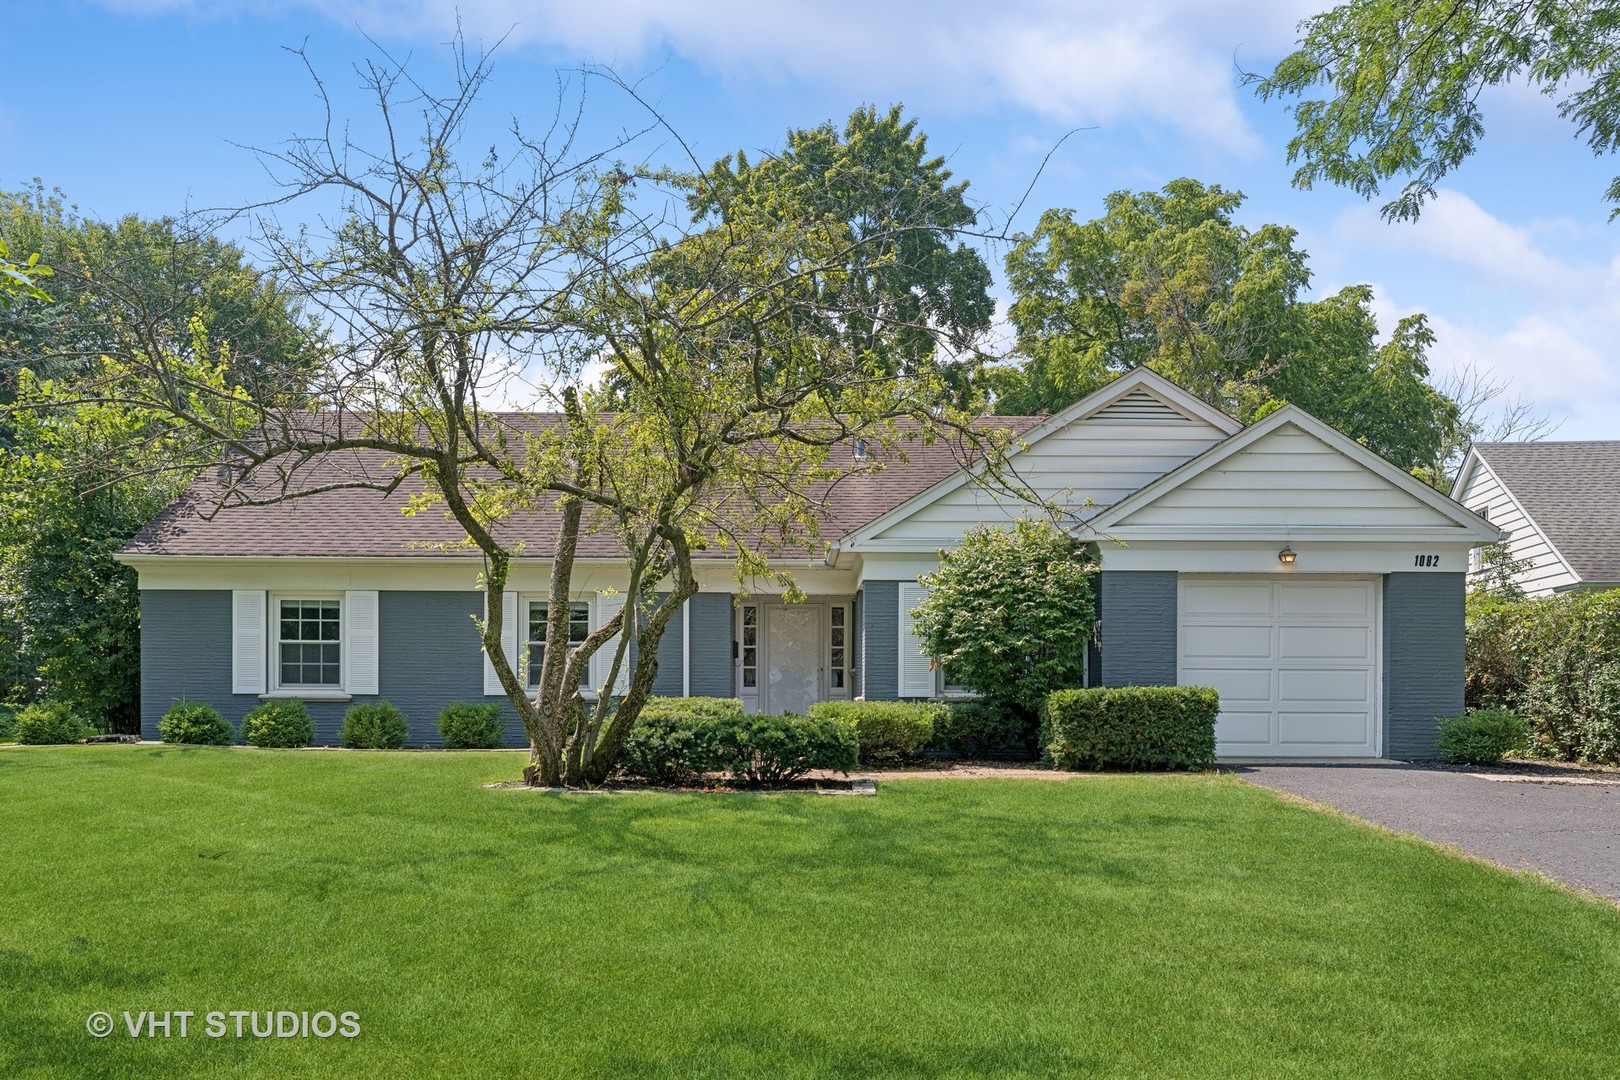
(686, 647)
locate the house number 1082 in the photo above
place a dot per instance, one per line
(1425, 560)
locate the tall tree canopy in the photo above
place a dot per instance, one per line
(1167, 279)
(77, 481)
(1403, 82)
(915, 287)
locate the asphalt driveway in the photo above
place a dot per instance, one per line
(1563, 823)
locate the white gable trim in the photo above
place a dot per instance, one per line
(1471, 525)
(1137, 379)
(1465, 475)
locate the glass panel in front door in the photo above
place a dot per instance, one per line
(793, 658)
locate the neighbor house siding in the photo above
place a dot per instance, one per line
(1422, 659)
(880, 637)
(1101, 458)
(713, 674)
(1139, 627)
(1547, 571)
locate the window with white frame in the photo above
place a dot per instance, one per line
(309, 643)
(579, 628)
(838, 649)
(750, 646)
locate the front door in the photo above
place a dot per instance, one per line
(793, 651)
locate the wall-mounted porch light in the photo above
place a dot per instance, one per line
(1287, 555)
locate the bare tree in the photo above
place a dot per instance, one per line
(1483, 416)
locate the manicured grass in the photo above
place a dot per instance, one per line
(1153, 926)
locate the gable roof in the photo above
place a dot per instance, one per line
(360, 523)
(1571, 491)
(1139, 394)
(1451, 514)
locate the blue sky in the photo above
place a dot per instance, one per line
(134, 106)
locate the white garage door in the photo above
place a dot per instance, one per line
(1294, 659)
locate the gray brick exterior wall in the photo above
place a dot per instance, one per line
(1422, 659)
(879, 624)
(1138, 627)
(668, 681)
(712, 634)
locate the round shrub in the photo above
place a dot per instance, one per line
(673, 740)
(283, 722)
(471, 725)
(48, 724)
(377, 726)
(1482, 737)
(758, 748)
(197, 723)
(889, 732)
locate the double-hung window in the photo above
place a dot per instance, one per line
(309, 644)
(579, 628)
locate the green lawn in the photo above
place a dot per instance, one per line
(1154, 926)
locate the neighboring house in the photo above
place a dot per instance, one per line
(1316, 586)
(1559, 503)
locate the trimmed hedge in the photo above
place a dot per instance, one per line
(673, 740)
(979, 729)
(49, 724)
(887, 732)
(1131, 727)
(1556, 661)
(680, 740)
(471, 725)
(196, 723)
(374, 726)
(282, 722)
(1482, 736)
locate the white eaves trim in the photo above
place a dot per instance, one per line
(1137, 379)
(1470, 524)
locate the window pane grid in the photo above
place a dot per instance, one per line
(310, 643)
(579, 628)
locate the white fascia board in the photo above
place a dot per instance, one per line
(1104, 524)
(1137, 378)
(1312, 557)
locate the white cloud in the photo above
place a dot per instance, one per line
(1458, 230)
(1071, 61)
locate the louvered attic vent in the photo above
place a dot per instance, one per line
(1139, 405)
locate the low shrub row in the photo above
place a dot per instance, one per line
(1555, 660)
(681, 740)
(285, 722)
(886, 732)
(1131, 727)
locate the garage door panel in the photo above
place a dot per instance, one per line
(1233, 685)
(1253, 728)
(1349, 599)
(1324, 728)
(1307, 684)
(1295, 663)
(1226, 598)
(1352, 643)
(1235, 642)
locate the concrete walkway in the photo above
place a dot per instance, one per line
(1563, 822)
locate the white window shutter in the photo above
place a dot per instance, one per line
(360, 642)
(248, 642)
(916, 666)
(608, 606)
(509, 642)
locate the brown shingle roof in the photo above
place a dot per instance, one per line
(1572, 491)
(369, 524)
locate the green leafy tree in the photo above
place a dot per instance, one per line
(1168, 280)
(916, 287)
(1403, 82)
(1010, 612)
(733, 380)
